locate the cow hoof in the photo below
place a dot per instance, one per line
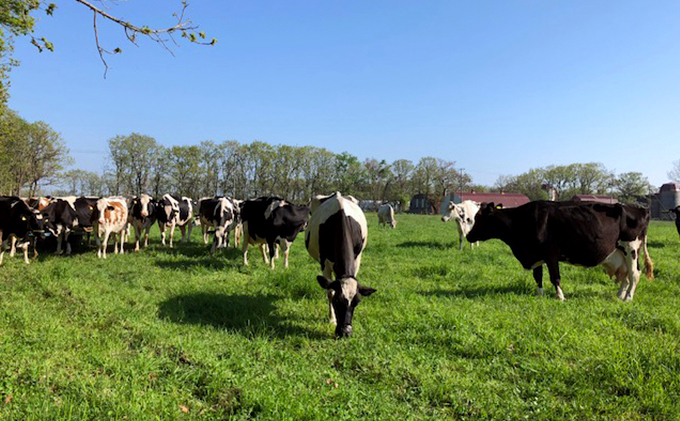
(539, 292)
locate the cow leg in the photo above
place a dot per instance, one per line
(246, 241)
(189, 227)
(266, 249)
(328, 273)
(105, 243)
(273, 252)
(204, 230)
(285, 248)
(172, 233)
(123, 239)
(114, 240)
(12, 245)
(68, 245)
(146, 236)
(632, 254)
(554, 271)
(217, 241)
(538, 277)
(182, 229)
(25, 247)
(138, 236)
(162, 228)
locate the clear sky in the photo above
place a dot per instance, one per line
(497, 86)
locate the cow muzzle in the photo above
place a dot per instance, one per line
(445, 218)
(344, 331)
(145, 214)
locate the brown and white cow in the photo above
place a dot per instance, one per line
(336, 237)
(464, 216)
(584, 234)
(386, 215)
(110, 217)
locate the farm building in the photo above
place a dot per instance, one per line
(422, 205)
(508, 200)
(667, 198)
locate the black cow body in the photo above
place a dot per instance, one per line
(336, 237)
(18, 220)
(61, 218)
(676, 212)
(584, 234)
(142, 217)
(270, 221)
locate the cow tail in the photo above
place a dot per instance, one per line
(649, 265)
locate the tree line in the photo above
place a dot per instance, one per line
(33, 157)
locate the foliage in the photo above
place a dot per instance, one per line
(674, 173)
(631, 185)
(179, 334)
(30, 154)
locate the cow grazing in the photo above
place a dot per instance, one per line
(142, 217)
(271, 221)
(386, 215)
(336, 237)
(18, 220)
(110, 217)
(217, 213)
(175, 211)
(676, 212)
(464, 215)
(584, 234)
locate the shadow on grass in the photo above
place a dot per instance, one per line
(656, 245)
(430, 244)
(519, 289)
(248, 315)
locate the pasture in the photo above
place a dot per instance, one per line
(178, 334)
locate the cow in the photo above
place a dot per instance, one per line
(336, 237)
(386, 215)
(61, 218)
(584, 234)
(464, 215)
(676, 212)
(142, 217)
(18, 220)
(175, 211)
(218, 213)
(271, 221)
(110, 216)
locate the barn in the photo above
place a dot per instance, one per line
(508, 200)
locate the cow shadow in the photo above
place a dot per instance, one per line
(656, 244)
(518, 289)
(245, 314)
(428, 244)
(205, 260)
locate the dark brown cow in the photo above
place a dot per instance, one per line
(584, 234)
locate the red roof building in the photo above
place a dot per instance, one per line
(508, 200)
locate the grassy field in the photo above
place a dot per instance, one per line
(178, 334)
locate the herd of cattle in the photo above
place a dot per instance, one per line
(538, 233)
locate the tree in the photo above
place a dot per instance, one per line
(674, 173)
(631, 185)
(18, 19)
(131, 156)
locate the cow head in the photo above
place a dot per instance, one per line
(452, 211)
(489, 223)
(347, 294)
(25, 220)
(142, 206)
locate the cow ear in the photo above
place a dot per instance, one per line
(364, 290)
(490, 207)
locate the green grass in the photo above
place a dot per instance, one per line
(178, 334)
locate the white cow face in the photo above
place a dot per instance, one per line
(347, 294)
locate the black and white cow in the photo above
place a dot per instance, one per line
(584, 234)
(271, 221)
(336, 237)
(175, 211)
(676, 212)
(218, 213)
(60, 219)
(142, 217)
(18, 220)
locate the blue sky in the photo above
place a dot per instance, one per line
(497, 86)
